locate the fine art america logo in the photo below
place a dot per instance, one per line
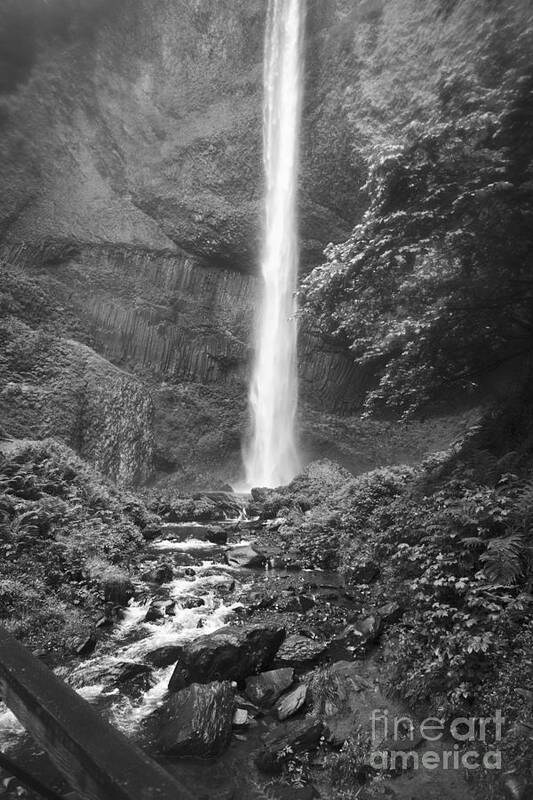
(400, 743)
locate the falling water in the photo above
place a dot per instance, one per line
(272, 458)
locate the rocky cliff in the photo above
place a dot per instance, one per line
(140, 122)
(130, 150)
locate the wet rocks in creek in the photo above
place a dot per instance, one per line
(164, 656)
(197, 721)
(159, 574)
(299, 651)
(231, 653)
(180, 532)
(117, 587)
(111, 673)
(292, 702)
(245, 556)
(265, 688)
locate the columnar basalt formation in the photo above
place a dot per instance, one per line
(170, 316)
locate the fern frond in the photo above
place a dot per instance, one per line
(472, 542)
(502, 561)
(524, 503)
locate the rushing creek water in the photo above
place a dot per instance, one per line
(133, 638)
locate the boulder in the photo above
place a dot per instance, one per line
(189, 601)
(112, 673)
(162, 573)
(217, 535)
(87, 646)
(151, 531)
(164, 656)
(117, 587)
(156, 611)
(292, 702)
(197, 721)
(260, 598)
(245, 556)
(265, 688)
(220, 584)
(218, 505)
(244, 703)
(183, 559)
(231, 653)
(292, 737)
(181, 532)
(298, 651)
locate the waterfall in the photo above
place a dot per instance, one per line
(271, 458)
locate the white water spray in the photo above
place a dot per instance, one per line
(272, 457)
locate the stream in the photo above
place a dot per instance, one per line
(205, 593)
(201, 575)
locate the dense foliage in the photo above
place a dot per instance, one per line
(453, 543)
(64, 532)
(433, 288)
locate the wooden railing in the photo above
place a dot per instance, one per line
(97, 761)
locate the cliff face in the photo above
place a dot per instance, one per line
(140, 122)
(52, 387)
(130, 148)
(147, 130)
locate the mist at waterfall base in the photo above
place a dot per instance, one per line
(271, 455)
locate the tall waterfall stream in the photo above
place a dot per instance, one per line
(271, 458)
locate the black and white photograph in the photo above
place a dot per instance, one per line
(266, 399)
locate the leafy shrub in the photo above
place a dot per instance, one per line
(63, 531)
(433, 288)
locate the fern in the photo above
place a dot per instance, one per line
(524, 503)
(484, 467)
(503, 559)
